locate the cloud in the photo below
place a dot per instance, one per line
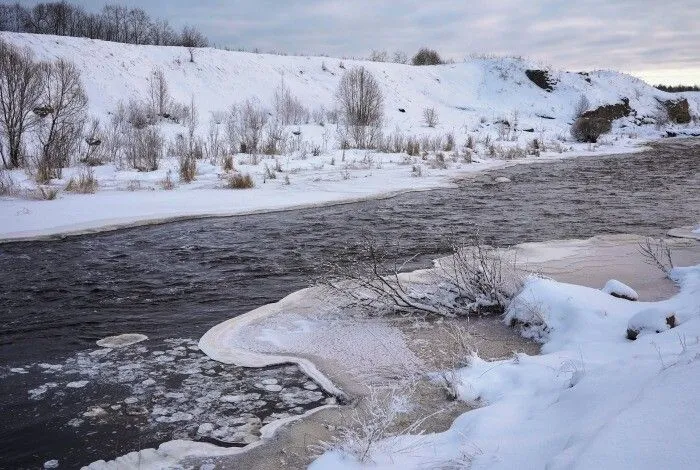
(586, 34)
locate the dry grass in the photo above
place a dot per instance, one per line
(239, 181)
(84, 183)
(167, 183)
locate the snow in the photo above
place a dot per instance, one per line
(121, 340)
(593, 399)
(619, 289)
(470, 98)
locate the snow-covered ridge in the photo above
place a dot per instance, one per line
(490, 88)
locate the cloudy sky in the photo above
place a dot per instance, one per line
(658, 40)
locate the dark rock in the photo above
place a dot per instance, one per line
(610, 112)
(541, 79)
(529, 130)
(678, 111)
(671, 134)
(544, 116)
(402, 110)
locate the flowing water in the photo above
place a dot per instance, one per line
(64, 398)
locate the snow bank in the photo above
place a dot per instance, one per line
(593, 399)
(620, 290)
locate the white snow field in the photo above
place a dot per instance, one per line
(593, 399)
(470, 99)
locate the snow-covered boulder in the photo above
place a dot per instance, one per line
(620, 290)
(650, 321)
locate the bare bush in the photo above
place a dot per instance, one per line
(8, 187)
(84, 183)
(426, 56)
(167, 183)
(374, 420)
(373, 283)
(484, 282)
(362, 105)
(430, 117)
(20, 93)
(657, 253)
(144, 149)
(187, 167)
(252, 120)
(139, 114)
(239, 181)
(287, 108)
(589, 129)
(581, 107)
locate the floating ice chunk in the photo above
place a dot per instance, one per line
(19, 370)
(51, 464)
(121, 341)
(35, 393)
(273, 388)
(269, 381)
(76, 422)
(94, 412)
(620, 290)
(77, 384)
(205, 428)
(502, 179)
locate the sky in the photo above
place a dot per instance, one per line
(656, 40)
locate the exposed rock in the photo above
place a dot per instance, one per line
(541, 79)
(678, 111)
(620, 290)
(650, 321)
(610, 112)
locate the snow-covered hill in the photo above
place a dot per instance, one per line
(472, 100)
(463, 93)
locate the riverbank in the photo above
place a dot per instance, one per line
(120, 203)
(359, 354)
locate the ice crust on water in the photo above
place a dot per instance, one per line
(175, 391)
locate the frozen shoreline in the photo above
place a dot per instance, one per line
(570, 260)
(27, 220)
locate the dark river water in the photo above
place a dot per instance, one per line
(64, 398)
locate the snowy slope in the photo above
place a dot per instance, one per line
(470, 98)
(462, 93)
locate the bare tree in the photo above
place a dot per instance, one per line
(430, 117)
(20, 93)
(159, 93)
(61, 129)
(362, 104)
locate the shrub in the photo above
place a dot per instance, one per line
(46, 193)
(589, 129)
(167, 183)
(227, 164)
(430, 117)
(85, 183)
(426, 56)
(7, 184)
(187, 167)
(239, 181)
(144, 149)
(362, 104)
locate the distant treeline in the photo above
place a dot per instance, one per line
(114, 23)
(678, 88)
